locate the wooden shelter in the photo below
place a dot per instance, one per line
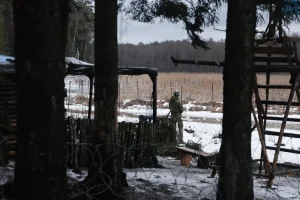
(8, 105)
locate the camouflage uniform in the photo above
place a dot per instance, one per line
(176, 110)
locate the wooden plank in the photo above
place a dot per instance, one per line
(273, 59)
(275, 86)
(121, 127)
(276, 68)
(273, 50)
(283, 150)
(281, 118)
(293, 135)
(282, 103)
(253, 127)
(196, 62)
(193, 151)
(138, 145)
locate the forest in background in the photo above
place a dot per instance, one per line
(80, 38)
(81, 43)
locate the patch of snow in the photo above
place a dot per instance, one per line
(166, 104)
(126, 101)
(75, 176)
(72, 60)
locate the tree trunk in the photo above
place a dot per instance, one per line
(236, 180)
(106, 170)
(40, 42)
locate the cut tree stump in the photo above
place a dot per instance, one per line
(187, 154)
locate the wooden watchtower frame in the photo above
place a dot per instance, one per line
(274, 52)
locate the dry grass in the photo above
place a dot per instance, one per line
(202, 87)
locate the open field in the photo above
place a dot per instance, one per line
(200, 87)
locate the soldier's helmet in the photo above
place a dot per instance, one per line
(176, 93)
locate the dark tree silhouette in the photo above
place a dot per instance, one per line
(235, 181)
(195, 15)
(105, 177)
(40, 41)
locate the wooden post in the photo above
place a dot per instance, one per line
(171, 88)
(129, 161)
(90, 96)
(212, 91)
(138, 145)
(263, 145)
(69, 99)
(297, 59)
(137, 89)
(122, 143)
(261, 113)
(119, 96)
(126, 145)
(181, 94)
(145, 143)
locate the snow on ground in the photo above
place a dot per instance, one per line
(206, 133)
(178, 182)
(137, 110)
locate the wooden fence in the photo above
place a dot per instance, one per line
(137, 142)
(79, 133)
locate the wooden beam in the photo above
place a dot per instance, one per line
(275, 86)
(253, 127)
(283, 150)
(277, 68)
(282, 103)
(263, 145)
(196, 62)
(273, 59)
(293, 135)
(281, 118)
(273, 50)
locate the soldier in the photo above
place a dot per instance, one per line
(176, 109)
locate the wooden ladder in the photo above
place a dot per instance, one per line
(275, 59)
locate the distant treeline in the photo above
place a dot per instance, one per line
(158, 55)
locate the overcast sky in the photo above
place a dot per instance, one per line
(135, 32)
